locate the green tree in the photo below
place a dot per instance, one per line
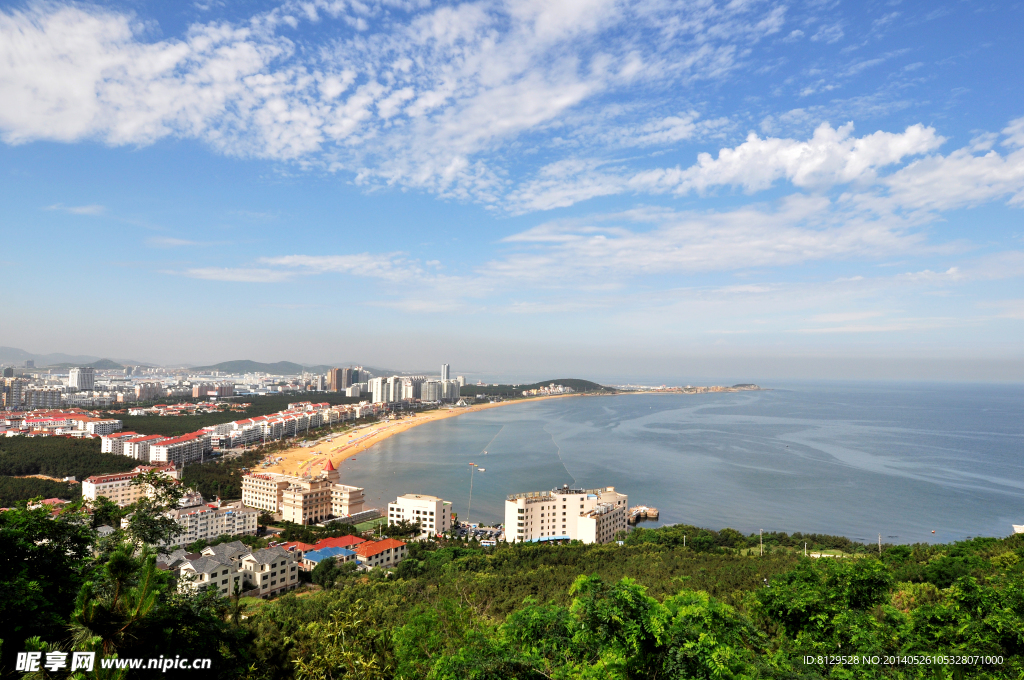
(326, 572)
(148, 523)
(43, 562)
(106, 512)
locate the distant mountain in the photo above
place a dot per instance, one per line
(12, 356)
(515, 390)
(102, 364)
(248, 366)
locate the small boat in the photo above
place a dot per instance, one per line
(480, 469)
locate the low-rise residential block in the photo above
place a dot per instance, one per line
(386, 553)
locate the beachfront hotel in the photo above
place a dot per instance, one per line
(588, 515)
(433, 514)
(302, 500)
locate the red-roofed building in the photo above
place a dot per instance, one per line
(299, 548)
(385, 554)
(118, 487)
(339, 542)
(182, 450)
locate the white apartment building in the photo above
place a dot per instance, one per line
(118, 487)
(211, 570)
(82, 379)
(433, 514)
(588, 515)
(268, 571)
(431, 391)
(114, 443)
(138, 447)
(182, 450)
(101, 427)
(207, 523)
(386, 390)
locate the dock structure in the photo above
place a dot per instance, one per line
(639, 512)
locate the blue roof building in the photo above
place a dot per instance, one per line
(314, 557)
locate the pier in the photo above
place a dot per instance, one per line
(639, 512)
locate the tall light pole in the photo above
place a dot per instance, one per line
(472, 469)
(760, 533)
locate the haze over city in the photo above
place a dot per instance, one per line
(526, 190)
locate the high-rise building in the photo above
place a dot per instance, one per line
(8, 372)
(461, 379)
(30, 364)
(13, 393)
(334, 377)
(445, 371)
(450, 390)
(346, 378)
(82, 378)
(430, 391)
(385, 390)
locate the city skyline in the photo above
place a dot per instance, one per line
(743, 189)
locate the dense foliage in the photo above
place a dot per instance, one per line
(650, 608)
(14, 489)
(58, 457)
(220, 477)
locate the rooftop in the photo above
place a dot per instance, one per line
(317, 555)
(370, 549)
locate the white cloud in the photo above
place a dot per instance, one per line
(389, 266)
(800, 229)
(832, 156)
(240, 274)
(408, 95)
(78, 209)
(170, 242)
(829, 34)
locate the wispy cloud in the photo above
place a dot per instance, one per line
(170, 242)
(417, 96)
(78, 209)
(238, 274)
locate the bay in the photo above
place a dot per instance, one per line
(851, 459)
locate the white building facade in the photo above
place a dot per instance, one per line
(588, 515)
(82, 378)
(433, 514)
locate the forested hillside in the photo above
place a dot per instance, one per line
(650, 608)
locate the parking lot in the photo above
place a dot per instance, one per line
(464, 530)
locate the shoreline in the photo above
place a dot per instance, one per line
(299, 460)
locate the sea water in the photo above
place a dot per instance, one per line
(850, 459)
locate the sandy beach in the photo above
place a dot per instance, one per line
(299, 460)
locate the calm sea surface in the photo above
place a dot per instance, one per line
(857, 460)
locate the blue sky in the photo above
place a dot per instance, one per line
(678, 188)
